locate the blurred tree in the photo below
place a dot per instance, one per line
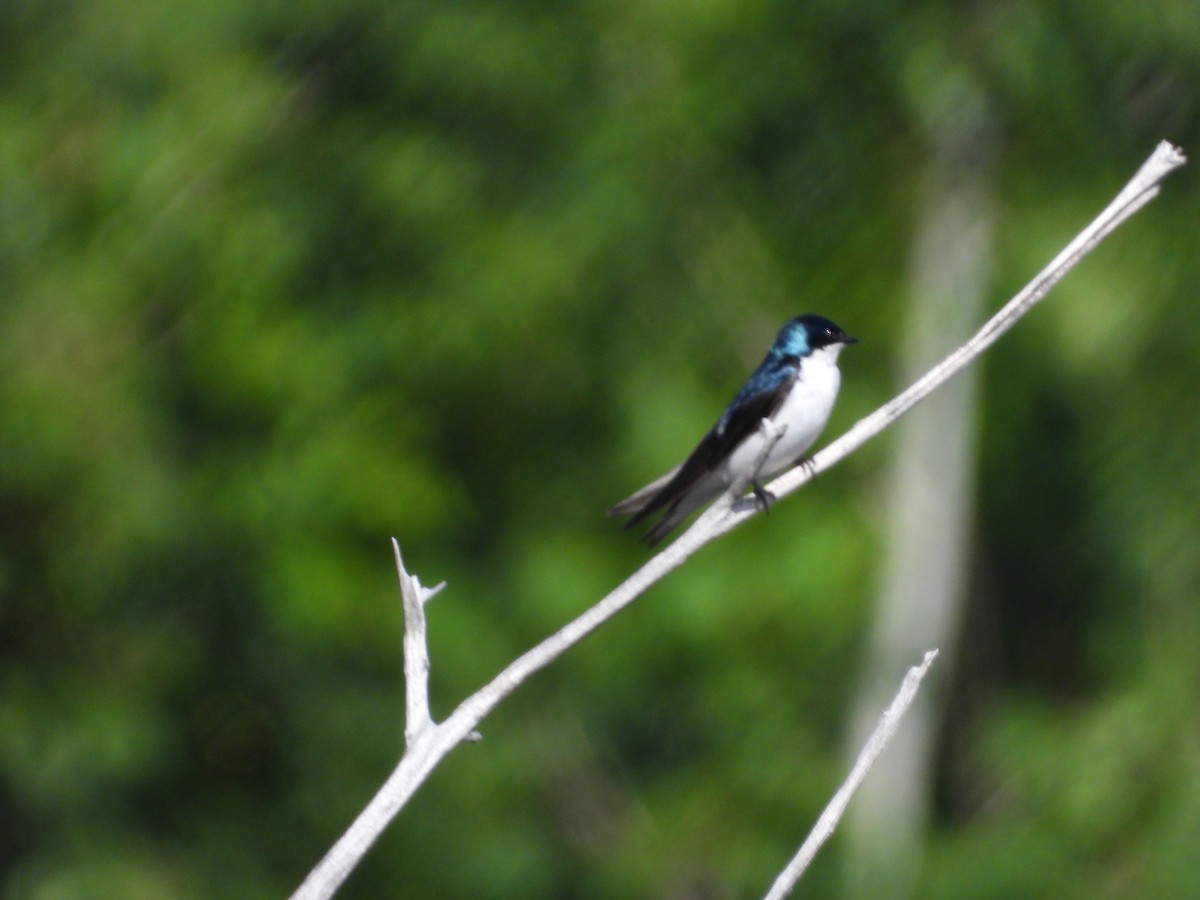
(283, 280)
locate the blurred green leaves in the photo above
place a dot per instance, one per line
(284, 280)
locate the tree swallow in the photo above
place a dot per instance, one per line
(794, 388)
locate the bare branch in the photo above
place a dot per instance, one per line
(883, 732)
(1143, 187)
(416, 654)
(433, 742)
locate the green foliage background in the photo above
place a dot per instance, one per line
(282, 280)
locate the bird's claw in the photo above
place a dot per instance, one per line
(764, 497)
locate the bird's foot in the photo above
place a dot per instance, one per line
(764, 497)
(807, 464)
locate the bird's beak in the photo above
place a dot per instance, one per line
(849, 339)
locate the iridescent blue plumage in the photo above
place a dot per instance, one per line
(794, 386)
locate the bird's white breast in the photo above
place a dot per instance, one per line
(805, 412)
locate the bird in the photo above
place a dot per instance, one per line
(794, 388)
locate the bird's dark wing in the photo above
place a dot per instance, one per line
(740, 419)
(635, 501)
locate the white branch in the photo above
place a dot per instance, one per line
(416, 654)
(883, 732)
(430, 744)
(1142, 188)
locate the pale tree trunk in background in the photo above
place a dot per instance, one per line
(930, 497)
